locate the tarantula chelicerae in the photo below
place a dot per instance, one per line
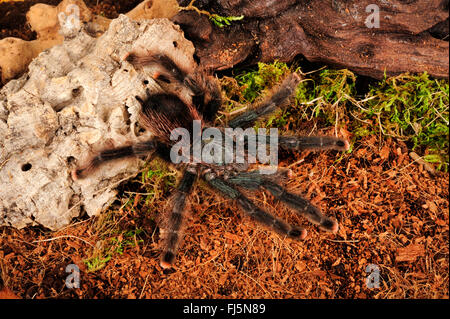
(191, 95)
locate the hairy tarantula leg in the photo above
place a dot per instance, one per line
(312, 143)
(176, 216)
(169, 71)
(138, 149)
(302, 206)
(254, 180)
(299, 143)
(207, 95)
(172, 69)
(140, 60)
(254, 211)
(284, 91)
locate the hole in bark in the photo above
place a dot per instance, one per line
(196, 58)
(366, 50)
(175, 44)
(76, 91)
(138, 130)
(70, 159)
(127, 116)
(145, 82)
(26, 167)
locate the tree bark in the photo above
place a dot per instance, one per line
(334, 32)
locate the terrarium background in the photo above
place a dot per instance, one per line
(392, 212)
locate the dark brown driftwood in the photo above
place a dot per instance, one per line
(328, 31)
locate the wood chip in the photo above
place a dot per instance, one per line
(384, 153)
(232, 237)
(409, 253)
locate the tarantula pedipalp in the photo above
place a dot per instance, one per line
(162, 113)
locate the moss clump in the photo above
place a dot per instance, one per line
(412, 108)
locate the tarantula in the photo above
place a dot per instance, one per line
(194, 94)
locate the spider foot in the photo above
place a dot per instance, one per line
(167, 260)
(329, 225)
(76, 174)
(298, 233)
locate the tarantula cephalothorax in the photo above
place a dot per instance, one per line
(194, 95)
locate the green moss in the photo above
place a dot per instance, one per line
(253, 83)
(412, 108)
(326, 95)
(222, 22)
(112, 240)
(218, 20)
(155, 181)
